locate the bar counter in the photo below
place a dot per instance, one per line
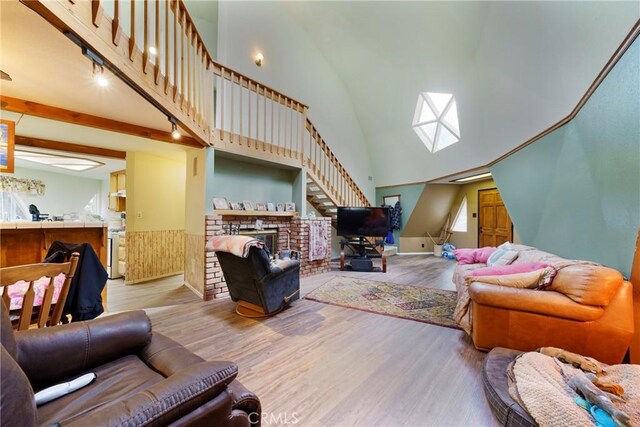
(28, 242)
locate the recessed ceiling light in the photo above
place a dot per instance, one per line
(473, 177)
(64, 162)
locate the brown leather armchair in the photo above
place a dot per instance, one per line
(143, 378)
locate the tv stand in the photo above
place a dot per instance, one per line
(363, 251)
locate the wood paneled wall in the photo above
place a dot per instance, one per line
(194, 262)
(154, 254)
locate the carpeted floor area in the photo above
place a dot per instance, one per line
(421, 304)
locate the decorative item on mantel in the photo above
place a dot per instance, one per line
(247, 205)
(290, 207)
(235, 206)
(280, 207)
(261, 207)
(220, 203)
(271, 207)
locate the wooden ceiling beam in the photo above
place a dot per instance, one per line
(30, 108)
(69, 147)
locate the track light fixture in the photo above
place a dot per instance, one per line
(98, 75)
(175, 133)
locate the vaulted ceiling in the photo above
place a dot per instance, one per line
(515, 68)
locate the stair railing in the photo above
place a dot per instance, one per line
(155, 44)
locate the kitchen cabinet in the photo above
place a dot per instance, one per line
(118, 191)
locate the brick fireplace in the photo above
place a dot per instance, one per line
(294, 228)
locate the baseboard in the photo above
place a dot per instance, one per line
(194, 290)
(415, 253)
(147, 279)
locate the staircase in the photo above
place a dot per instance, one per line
(219, 106)
(321, 201)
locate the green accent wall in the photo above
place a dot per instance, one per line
(239, 180)
(409, 195)
(576, 192)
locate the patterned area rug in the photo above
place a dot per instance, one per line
(426, 305)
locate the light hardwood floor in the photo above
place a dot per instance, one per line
(323, 365)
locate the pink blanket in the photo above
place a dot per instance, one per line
(18, 289)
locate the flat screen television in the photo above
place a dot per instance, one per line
(370, 222)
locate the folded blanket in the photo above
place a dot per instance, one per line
(542, 386)
(235, 245)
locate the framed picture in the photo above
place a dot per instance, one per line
(280, 207)
(235, 206)
(258, 224)
(248, 205)
(290, 207)
(7, 143)
(261, 207)
(220, 203)
(271, 207)
(391, 200)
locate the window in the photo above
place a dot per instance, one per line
(436, 120)
(460, 223)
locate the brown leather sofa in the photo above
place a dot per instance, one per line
(586, 310)
(143, 378)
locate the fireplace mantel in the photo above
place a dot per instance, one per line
(226, 212)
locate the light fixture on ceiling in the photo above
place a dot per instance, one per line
(473, 177)
(98, 75)
(76, 164)
(175, 133)
(258, 59)
(153, 51)
(98, 66)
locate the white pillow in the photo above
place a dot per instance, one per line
(507, 258)
(500, 250)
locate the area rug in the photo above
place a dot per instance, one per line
(426, 305)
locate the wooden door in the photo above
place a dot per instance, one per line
(494, 223)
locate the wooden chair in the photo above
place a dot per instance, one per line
(48, 313)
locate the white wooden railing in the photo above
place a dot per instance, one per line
(155, 45)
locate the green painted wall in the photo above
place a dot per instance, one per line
(409, 195)
(238, 180)
(576, 192)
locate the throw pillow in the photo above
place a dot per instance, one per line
(507, 258)
(473, 255)
(498, 253)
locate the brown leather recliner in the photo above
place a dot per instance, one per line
(587, 310)
(143, 378)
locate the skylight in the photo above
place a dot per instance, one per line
(436, 120)
(64, 162)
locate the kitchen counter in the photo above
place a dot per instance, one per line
(28, 242)
(51, 224)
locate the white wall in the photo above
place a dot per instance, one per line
(64, 193)
(294, 66)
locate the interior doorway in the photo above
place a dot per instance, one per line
(494, 224)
